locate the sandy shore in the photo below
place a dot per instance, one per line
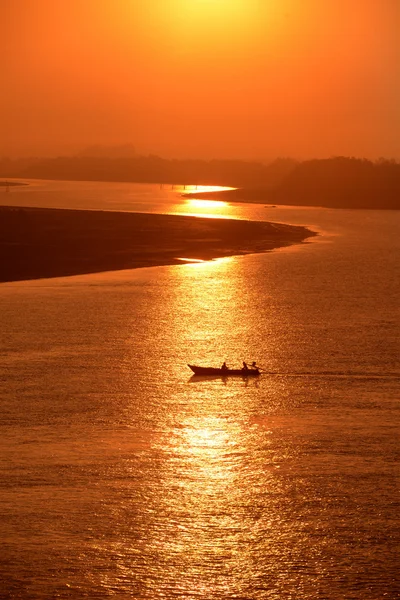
(42, 242)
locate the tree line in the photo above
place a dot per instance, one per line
(342, 182)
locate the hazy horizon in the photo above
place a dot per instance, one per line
(112, 153)
(128, 151)
(201, 79)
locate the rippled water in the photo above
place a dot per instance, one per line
(122, 476)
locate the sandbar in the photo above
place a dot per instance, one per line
(45, 242)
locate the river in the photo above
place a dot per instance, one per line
(124, 477)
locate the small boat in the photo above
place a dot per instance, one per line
(251, 372)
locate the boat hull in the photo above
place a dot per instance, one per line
(224, 372)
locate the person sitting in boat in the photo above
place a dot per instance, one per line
(253, 365)
(245, 367)
(224, 366)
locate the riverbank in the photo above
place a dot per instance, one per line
(243, 195)
(40, 242)
(8, 184)
(344, 198)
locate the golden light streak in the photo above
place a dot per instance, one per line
(198, 189)
(208, 204)
(209, 209)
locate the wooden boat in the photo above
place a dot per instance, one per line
(251, 372)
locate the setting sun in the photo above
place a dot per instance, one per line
(202, 78)
(215, 8)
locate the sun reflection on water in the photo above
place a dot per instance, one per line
(211, 209)
(204, 265)
(205, 443)
(210, 539)
(199, 189)
(209, 204)
(213, 490)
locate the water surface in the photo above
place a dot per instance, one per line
(123, 476)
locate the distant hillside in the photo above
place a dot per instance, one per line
(336, 183)
(149, 169)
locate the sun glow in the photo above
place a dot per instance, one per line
(199, 9)
(214, 22)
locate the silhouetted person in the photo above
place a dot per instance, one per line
(245, 367)
(253, 365)
(224, 366)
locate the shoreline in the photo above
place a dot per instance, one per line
(38, 243)
(240, 195)
(5, 183)
(271, 197)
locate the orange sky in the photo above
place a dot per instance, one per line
(249, 79)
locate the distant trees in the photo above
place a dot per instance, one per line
(336, 182)
(149, 169)
(343, 182)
